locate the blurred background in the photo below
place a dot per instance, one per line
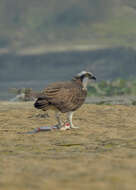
(48, 40)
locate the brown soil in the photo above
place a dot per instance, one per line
(101, 155)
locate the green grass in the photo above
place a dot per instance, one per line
(117, 87)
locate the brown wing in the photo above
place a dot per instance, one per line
(66, 96)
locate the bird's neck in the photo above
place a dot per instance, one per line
(82, 81)
(85, 83)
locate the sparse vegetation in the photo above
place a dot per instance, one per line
(99, 155)
(116, 87)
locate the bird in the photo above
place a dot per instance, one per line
(65, 97)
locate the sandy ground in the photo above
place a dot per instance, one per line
(101, 155)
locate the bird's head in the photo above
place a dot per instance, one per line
(85, 74)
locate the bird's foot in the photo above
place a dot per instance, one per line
(66, 126)
(74, 127)
(58, 126)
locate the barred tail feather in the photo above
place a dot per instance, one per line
(41, 103)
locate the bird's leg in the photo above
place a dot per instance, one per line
(70, 114)
(58, 119)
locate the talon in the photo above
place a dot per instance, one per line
(74, 127)
(58, 126)
(65, 127)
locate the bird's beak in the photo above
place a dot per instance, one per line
(93, 77)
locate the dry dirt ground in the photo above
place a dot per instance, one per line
(99, 156)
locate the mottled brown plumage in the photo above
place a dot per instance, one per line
(65, 96)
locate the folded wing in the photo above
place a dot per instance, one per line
(64, 96)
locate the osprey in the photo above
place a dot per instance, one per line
(65, 97)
